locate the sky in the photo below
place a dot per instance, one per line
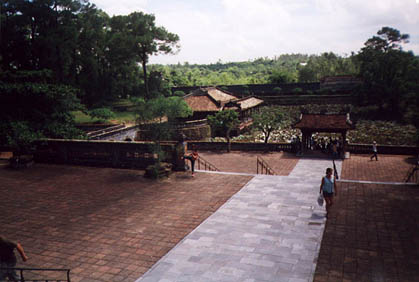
(241, 30)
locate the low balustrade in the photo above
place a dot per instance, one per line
(243, 146)
(192, 123)
(122, 154)
(203, 164)
(105, 130)
(262, 167)
(382, 149)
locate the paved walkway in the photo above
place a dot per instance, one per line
(70, 217)
(270, 230)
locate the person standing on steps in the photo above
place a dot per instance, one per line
(328, 189)
(192, 157)
(8, 258)
(374, 151)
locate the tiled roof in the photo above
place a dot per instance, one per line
(249, 102)
(324, 121)
(212, 99)
(219, 95)
(202, 104)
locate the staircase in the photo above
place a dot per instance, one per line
(262, 167)
(203, 164)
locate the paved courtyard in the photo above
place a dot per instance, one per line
(113, 225)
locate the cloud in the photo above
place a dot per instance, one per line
(121, 7)
(239, 30)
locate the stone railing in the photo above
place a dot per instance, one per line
(243, 146)
(382, 149)
(289, 147)
(192, 123)
(117, 154)
(92, 134)
(262, 167)
(119, 133)
(123, 154)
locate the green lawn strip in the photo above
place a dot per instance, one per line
(120, 117)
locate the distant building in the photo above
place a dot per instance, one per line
(210, 100)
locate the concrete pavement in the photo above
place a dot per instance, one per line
(271, 230)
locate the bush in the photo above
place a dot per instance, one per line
(179, 93)
(102, 114)
(384, 132)
(277, 90)
(297, 90)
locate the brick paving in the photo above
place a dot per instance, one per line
(390, 168)
(372, 233)
(281, 162)
(105, 224)
(113, 225)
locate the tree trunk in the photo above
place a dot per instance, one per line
(267, 137)
(147, 93)
(228, 140)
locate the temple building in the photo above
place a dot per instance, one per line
(210, 100)
(323, 123)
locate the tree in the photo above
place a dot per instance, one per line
(268, 120)
(387, 72)
(388, 38)
(102, 114)
(327, 64)
(157, 116)
(149, 40)
(280, 76)
(225, 121)
(41, 35)
(32, 106)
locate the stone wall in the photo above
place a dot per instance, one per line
(116, 154)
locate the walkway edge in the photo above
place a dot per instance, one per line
(377, 182)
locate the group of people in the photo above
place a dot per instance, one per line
(323, 144)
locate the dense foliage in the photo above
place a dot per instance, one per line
(286, 68)
(390, 75)
(57, 56)
(82, 46)
(224, 122)
(31, 107)
(268, 120)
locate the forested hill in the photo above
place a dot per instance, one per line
(286, 68)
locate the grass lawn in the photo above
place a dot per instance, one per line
(120, 117)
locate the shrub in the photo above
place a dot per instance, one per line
(179, 93)
(102, 114)
(297, 90)
(277, 90)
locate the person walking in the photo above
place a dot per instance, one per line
(334, 150)
(192, 157)
(374, 151)
(328, 189)
(8, 258)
